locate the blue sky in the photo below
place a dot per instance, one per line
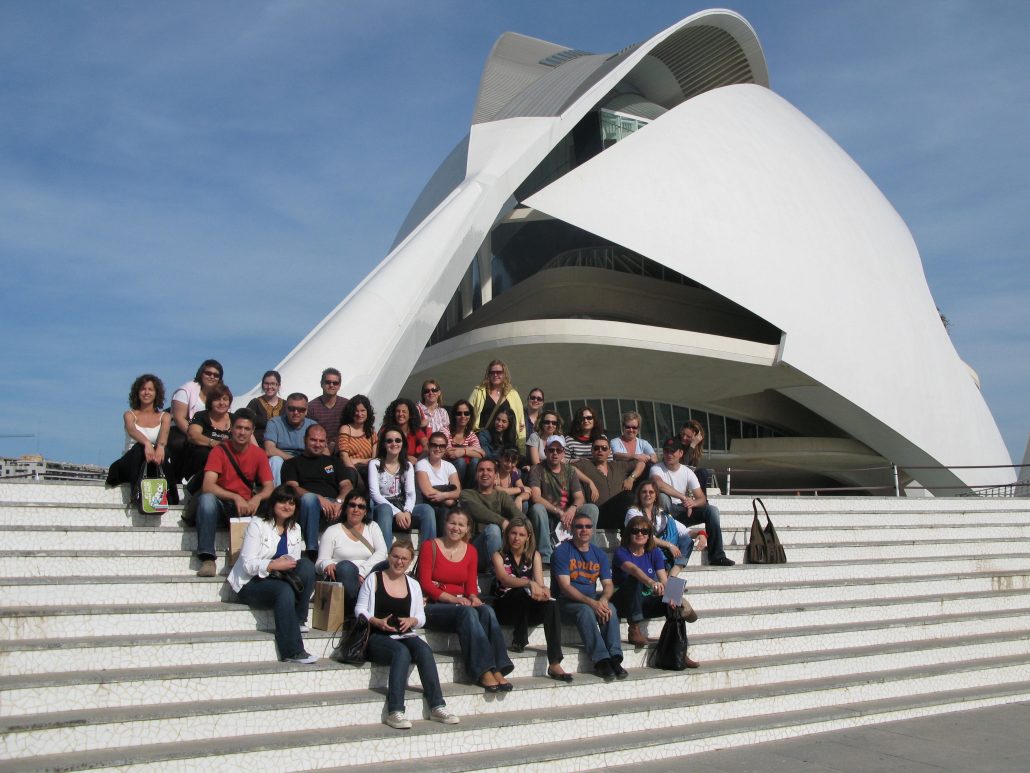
(208, 179)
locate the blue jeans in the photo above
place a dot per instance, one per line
(466, 469)
(482, 643)
(309, 514)
(422, 517)
(706, 514)
(600, 640)
(633, 605)
(398, 654)
(543, 526)
(288, 609)
(486, 543)
(210, 512)
(347, 576)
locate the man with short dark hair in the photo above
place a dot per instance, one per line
(613, 481)
(681, 494)
(577, 566)
(327, 408)
(284, 435)
(556, 494)
(224, 493)
(490, 508)
(321, 483)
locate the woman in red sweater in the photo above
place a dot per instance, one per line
(447, 574)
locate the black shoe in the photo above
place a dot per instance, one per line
(620, 672)
(724, 561)
(603, 668)
(517, 647)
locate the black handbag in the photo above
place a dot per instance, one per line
(353, 643)
(670, 654)
(290, 578)
(763, 547)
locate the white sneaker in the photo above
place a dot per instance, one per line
(441, 714)
(303, 658)
(398, 721)
(305, 628)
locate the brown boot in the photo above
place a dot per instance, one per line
(636, 636)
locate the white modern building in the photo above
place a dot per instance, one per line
(656, 228)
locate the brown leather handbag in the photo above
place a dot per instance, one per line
(764, 546)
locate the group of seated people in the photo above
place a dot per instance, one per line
(508, 494)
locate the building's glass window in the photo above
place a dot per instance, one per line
(617, 126)
(660, 421)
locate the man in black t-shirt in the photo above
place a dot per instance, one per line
(321, 482)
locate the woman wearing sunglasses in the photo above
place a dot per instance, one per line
(463, 450)
(350, 549)
(434, 416)
(639, 575)
(534, 408)
(548, 424)
(391, 484)
(494, 394)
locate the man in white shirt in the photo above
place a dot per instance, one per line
(681, 494)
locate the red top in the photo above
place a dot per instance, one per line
(438, 574)
(417, 441)
(253, 462)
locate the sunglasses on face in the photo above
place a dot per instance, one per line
(393, 441)
(357, 506)
(549, 422)
(535, 398)
(331, 383)
(296, 408)
(427, 390)
(438, 445)
(630, 426)
(638, 532)
(588, 418)
(582, 526)
(496, 372)
(601, 448)
(211, 374)
(555, 450)
(462, 413)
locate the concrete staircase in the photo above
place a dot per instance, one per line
(114, 655)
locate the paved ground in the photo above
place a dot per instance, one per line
(992, 740)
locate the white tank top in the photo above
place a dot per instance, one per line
(151, 434)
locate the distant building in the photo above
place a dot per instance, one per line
(657, 229)
(35, 467)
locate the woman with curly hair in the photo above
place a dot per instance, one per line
(403, 414)
(357, 442)
(146, 438)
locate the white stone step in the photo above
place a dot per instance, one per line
(138, 687)
(130, 591)
(673, 747)
(57, 491)
(585, 716)
(82, 515)
(101, 563)
(742, 597)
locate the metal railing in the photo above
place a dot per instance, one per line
(1019, 488)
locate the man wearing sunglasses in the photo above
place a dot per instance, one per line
(556, 494)
(327, 408)
(577, 567)
(284, 435)
(321, 483)
(612, 480)
(681, 494)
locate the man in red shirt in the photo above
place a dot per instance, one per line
(224, 494)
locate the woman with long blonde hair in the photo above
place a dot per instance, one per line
(493, 394)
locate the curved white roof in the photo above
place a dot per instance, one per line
(732, 187)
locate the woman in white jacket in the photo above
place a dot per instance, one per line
(392, 603)
(350, 549)
(273, 543)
